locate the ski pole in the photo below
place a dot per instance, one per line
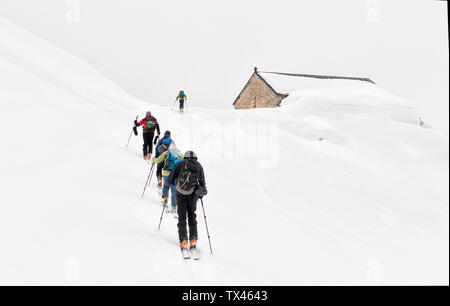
(206, 223)
(173, 105)
(130, 135)
(162, 214)
(149, 177)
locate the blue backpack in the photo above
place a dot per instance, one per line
(167, 141)
(173, 157)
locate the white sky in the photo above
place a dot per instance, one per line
(208, 47)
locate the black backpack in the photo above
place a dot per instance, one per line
(189, 177)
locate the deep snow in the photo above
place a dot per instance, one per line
(338, 186)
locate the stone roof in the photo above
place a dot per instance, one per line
(286, 83)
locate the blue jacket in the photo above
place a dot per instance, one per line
(166, 141)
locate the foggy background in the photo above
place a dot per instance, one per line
(208, 48)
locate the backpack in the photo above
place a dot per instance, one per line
(189, 177)
(173, 157)
(150, 124)
(163, 145)
(167, 141)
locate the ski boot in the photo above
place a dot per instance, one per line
(193, 243)
(193, 249)
(184, 244)
(174, 211)
(145, 157)
(184, 249)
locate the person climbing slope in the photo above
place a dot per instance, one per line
(181, 98)
(189, 179)
(149, 125)
(170, 158)
(161, 147)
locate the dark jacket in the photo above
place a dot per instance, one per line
(190, 163)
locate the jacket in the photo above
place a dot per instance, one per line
(162, 158)
(149, 124)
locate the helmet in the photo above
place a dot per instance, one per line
(190, 155)
(149, 113)
(167, 134)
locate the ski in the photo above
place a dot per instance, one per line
(185, 253)
(195, 254)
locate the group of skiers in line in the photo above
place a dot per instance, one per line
(182, 174)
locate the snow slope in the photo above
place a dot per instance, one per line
(338, 186)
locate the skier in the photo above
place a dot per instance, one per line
(161, 147)
(181, 98)
(149, 124)
(170, 157)
(189, 178)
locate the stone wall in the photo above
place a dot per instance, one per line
(258, 95)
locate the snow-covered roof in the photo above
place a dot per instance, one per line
(286, 83)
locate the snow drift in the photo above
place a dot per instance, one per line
(338, 186)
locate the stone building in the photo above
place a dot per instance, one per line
(269, 89)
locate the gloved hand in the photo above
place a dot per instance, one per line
(136, 123)
(201, 191)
